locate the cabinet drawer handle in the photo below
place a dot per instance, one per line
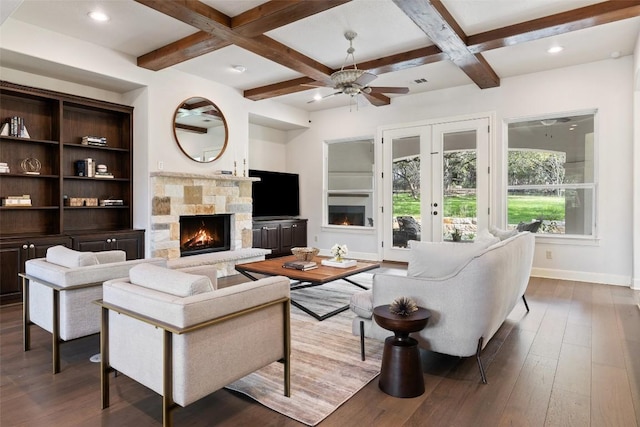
(294, 225)
(31, 246)
(108, 240)
(113, 240)
(25, 247)
(264, 227)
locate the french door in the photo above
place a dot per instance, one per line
(435, 183)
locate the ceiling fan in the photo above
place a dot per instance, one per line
(352, 81)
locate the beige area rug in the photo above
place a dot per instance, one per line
(326, 369)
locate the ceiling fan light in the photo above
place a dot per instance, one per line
(347, 76)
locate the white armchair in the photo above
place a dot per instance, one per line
(172, 332)
(58, 291)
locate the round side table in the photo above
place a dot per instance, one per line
(401, 371)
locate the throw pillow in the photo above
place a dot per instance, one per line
(485, 236)
(169, 281)
(65, 257)
(439, 259)
(502, 234)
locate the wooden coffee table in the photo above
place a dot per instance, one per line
(401, 370)
(306, 279)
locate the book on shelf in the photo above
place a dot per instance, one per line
(103, 175)
(300, 265)
(4, 167)
(111, 202)
(98, 141)
(86, 167)
(24, 200)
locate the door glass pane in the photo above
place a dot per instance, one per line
(406, 190)
(459, 186)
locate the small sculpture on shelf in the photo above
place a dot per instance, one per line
(31, 166)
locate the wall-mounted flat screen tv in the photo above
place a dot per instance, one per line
(277, 194)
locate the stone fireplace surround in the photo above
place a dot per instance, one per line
(176, 194)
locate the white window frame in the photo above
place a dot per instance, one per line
(593, 186)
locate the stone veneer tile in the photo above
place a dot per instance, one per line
(193, 194)
(161, 206)
(175, 231)
(159, 226)
(238, 207)
(161, 236)
(226, 191)
(164, 219)
(205, 209)
(245, 189)
(247, 238)
(174, 190)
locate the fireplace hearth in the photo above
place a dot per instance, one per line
(204, 233)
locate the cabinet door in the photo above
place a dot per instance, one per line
(94, 244)
(132, 243)
(13, 255)
(270, 237)
(256, 234)
(286, 237)
(12, 259)
(299, 233)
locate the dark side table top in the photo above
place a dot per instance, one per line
(414, 322)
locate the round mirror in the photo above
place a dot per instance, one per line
(200, 129)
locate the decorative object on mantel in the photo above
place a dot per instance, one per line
(403, 306)
(31, 166)
(305, 253)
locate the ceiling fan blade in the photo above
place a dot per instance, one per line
(365, 79)
(324, 97)
(386, 89)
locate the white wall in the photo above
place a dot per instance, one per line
(267, 148)
(604, 85)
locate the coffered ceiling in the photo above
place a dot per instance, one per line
(287, 45)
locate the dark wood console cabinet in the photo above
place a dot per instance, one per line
(56, 123)
(279, 235)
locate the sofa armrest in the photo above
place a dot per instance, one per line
(182, 312)
(40, 270)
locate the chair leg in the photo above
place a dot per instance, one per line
(55, 332)
(525, 303)
(104, 358)
(26, 322)
(482, 374)
(362, 340)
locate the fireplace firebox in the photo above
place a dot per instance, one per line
(204, 233)
(346, 215)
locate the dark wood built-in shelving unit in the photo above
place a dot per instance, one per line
(56, 123)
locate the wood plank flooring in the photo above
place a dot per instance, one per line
(573, 360)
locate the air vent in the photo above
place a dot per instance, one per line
(420, 81)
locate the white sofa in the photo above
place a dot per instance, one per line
(176, 334)
(468, 300)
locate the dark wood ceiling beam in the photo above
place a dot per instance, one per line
(182, 50)
(207, 19)
(275, 14)
(437, 23)
(279, 89)
(572, 20)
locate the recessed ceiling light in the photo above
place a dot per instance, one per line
(239, 68)
(98, 16)
(555, 49)
(615, 54)
(317, 97)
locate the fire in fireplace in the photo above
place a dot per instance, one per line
(346, 215)
(204, 233)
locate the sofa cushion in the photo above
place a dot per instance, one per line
(169, 281)
(65, 257)
(361, 303)
(440, 259)
(502, 234)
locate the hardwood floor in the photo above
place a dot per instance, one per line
(573, 360)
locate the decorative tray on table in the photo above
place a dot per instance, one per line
(345, 263)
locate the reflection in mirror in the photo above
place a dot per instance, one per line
(200, 129)
(349, 174)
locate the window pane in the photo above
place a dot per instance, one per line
(406, 191)
(459, 186)
(562, 211)
(551, 174)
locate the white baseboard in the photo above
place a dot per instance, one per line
(635, 285)
(582, 276)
